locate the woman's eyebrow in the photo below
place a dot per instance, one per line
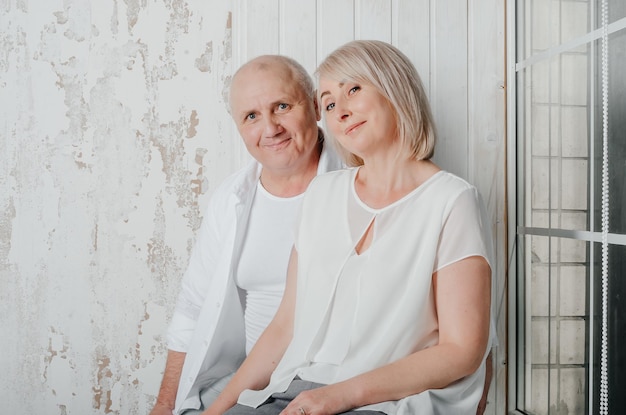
(341, 84)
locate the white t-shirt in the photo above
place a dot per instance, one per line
(262, 268)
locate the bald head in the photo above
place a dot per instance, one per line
(283, 67)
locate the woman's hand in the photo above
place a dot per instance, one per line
(326, 400)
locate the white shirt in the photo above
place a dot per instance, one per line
(208, 322)
(385, 295)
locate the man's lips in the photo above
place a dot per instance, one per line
(277, 143)
(353, 127)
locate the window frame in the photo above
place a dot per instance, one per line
(516, 204)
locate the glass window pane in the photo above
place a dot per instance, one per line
(617, 10)
(554, 129)
(556, 325)
(549, 23)
(616, 326)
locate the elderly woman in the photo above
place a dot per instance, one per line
(386, 308)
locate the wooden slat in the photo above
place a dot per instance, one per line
(298, 27)
(262, 33)
(335, 25)
(372, 19)
(449, 83)
(411, 34)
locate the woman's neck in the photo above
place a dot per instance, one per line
(381, 184)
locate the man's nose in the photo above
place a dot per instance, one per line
(272, 126)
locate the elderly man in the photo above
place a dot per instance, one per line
(237, 271)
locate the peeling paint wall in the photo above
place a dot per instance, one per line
(113, 133)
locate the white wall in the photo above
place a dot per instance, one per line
(114, 134)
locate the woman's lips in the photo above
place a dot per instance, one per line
(353, 127)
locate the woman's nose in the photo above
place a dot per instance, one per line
(342, 111)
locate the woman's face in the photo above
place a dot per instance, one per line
(359, 117)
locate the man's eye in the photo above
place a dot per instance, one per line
(283, 106)
(330, 106)
(251, 116)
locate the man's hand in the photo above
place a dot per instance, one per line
(160, 409)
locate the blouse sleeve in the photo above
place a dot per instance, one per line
(465, 231)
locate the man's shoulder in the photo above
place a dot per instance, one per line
(329, 159)
(234, 188)
(241, 180)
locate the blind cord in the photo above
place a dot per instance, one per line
(604, 381)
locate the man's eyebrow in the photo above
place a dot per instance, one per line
(283, 100)
(246, 112)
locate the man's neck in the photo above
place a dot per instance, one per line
(293, 182)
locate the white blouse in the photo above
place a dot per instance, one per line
(355, 312)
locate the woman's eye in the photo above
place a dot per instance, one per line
(330, 106)
(283, 106)
(353, 90)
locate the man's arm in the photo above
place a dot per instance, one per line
(169, 385)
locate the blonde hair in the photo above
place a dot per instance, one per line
(392, 73)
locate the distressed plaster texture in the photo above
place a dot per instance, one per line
(113, 133)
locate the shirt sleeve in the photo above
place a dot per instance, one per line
(465, 231)
(196, 281)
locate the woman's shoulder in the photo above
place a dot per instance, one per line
(452, 181)
(331, 179)
(448, 185)
(445, 189)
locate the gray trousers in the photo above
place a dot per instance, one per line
(279, 401)
(208, 395)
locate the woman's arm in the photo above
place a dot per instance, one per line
(462, 295)
(256, 370)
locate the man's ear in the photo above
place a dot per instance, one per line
(318, 110)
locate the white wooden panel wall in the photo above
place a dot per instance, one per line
(449, 83)
(411, 33)
(372, 19)
(457, 47)
(335, 26)
(487, 153)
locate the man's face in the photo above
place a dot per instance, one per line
(275, 118)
